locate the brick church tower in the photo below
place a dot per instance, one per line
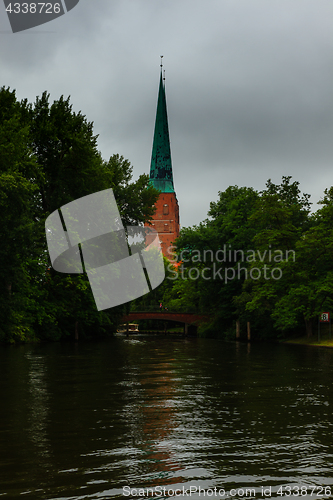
(166, 218)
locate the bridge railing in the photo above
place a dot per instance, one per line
(163, 309)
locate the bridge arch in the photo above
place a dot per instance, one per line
(189, 319)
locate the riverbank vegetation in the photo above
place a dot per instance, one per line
(260, 258)
(312, 341)
(49, 157)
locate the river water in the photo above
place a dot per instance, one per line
(185, 418)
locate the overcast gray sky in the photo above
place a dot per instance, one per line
(249, 86)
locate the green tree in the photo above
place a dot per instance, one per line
(280, 219)
(209, 277)
(49, 157)
(66, 149)
(18, 174)
(309, 278)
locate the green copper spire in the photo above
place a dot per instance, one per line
(160, 167)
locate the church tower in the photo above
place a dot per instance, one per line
(166, 218)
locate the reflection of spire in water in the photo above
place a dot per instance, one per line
(38, 407)
(150, 414)
(160, 422)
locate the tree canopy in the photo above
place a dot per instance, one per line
(49, 157)
(260, 257)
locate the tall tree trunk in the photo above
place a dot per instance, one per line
(237, 329)
(248, 330)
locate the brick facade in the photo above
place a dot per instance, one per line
(166, 221)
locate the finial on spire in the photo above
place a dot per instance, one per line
(161, 61)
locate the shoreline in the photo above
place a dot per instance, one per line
(313, 341)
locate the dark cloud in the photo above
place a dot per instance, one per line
(249, 86)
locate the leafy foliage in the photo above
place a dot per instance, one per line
(276, 268)
(49, 157)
